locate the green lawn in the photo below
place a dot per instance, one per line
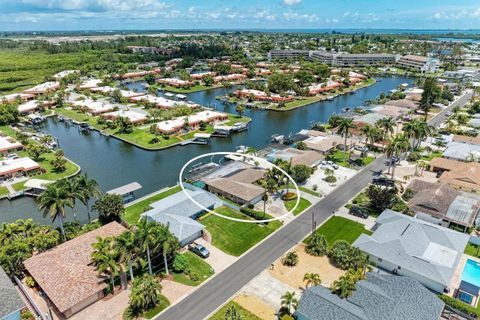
(236, 237)
(339, 157)
(132, 213)
(232, 119)
(197, 265)
(245, 314)
(431, 155)
(472, 250)
(195, 88)
(3, 191)
(7, 130)
(339, 228)
(301, 188)
(302, 206)
(163, 304)
(71, 168)
(19, 185)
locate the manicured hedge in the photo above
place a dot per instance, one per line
(459, 305)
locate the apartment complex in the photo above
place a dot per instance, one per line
(339, 59)
(419, 63)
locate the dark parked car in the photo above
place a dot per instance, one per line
(358, 212)
(199, 250)
(384, 182)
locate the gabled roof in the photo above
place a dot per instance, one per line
(378, 297)
(10, 300)
(422, 248)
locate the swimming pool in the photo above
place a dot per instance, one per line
(471, 272)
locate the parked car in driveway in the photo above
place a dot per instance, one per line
(358, 212)
(199, 250)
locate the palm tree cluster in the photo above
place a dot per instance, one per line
(63, 194)
(20, 239)
(344, 129)
(394, 149)
(289, 303)
(416, 131)
(346, 284)
(145, 294)
(345, 256)
(119, 255)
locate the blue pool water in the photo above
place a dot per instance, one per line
(471, 272)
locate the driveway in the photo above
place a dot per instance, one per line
(218, 259)
(109, 308)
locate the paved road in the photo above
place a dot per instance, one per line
(442, 116)
(214, 293)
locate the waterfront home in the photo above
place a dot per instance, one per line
(163, 103)
(11, 304)
(324, 87)
(180, 213)
(136, 74)
(234, 77)
(201, 75)
(368, 119)
(191, 122)
(464, 176)
(391, 111)
(66, 274)
(326, 143)
(262, 96)
(403, 103)
(11, 168)
(174, 82)
(9, 145)
(411, 247)
(262, 72)
(377, 297)
(296, 157)
(133, 116)
(441, 204)
(462, 151)
(93, 107)
(63, 74)
(127, 192)
(22, 97)
(43, 88)
(127, 94)
(236, 183)
(414, 94)
(28, 107)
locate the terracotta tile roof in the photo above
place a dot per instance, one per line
(464, 175)
(65, 273)
(244, 191)
(432, 198)
(248, 175)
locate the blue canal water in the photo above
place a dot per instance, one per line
(113, 163)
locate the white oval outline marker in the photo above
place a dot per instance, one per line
(255, 158)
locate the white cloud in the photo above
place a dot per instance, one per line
(265, 14)
(291, 2)
(295, 16)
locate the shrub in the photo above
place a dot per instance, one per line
(413, 156)
(289, 196)
(346, 256)
(30, 282)
(27, 315)
(287, 317)
(314, 187)
(154, 140)
(180, 263)
(330, 179)
(459, 305)
(408, 194)
(193, 276)
(317, 245)
(252, 213)
(291, 259)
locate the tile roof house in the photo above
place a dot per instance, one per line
(238, 186)
(65, 273)
(441, 204)
(11, 303)
(179, 213)
(461, 175)
(308, 158)
(415, 248)
(378, 297)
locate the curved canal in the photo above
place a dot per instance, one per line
(113, 163)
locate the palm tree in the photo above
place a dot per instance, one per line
(233, 314)
(422, 131)
(312, 279)
(395, 148)
(145, 293)
(387, 126)
(289, 301)
(88, 188)
(344, 129)
(103, 258)
(125, 249)
(148, 238)
(344, 286)
(53, 200)
(409, 131)
(170, 244)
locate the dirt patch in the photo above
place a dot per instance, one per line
(255, 306)
(293, 276)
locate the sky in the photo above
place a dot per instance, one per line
(42, 15)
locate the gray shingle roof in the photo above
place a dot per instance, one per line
(378, 297)
(177, 211)
(426, 249)
(10, 300)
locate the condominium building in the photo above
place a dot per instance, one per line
(422, 64)
(288, 54)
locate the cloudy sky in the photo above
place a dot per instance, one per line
(237, 14)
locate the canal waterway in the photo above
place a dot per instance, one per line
(113, 163)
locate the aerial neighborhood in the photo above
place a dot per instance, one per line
(239, 175)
